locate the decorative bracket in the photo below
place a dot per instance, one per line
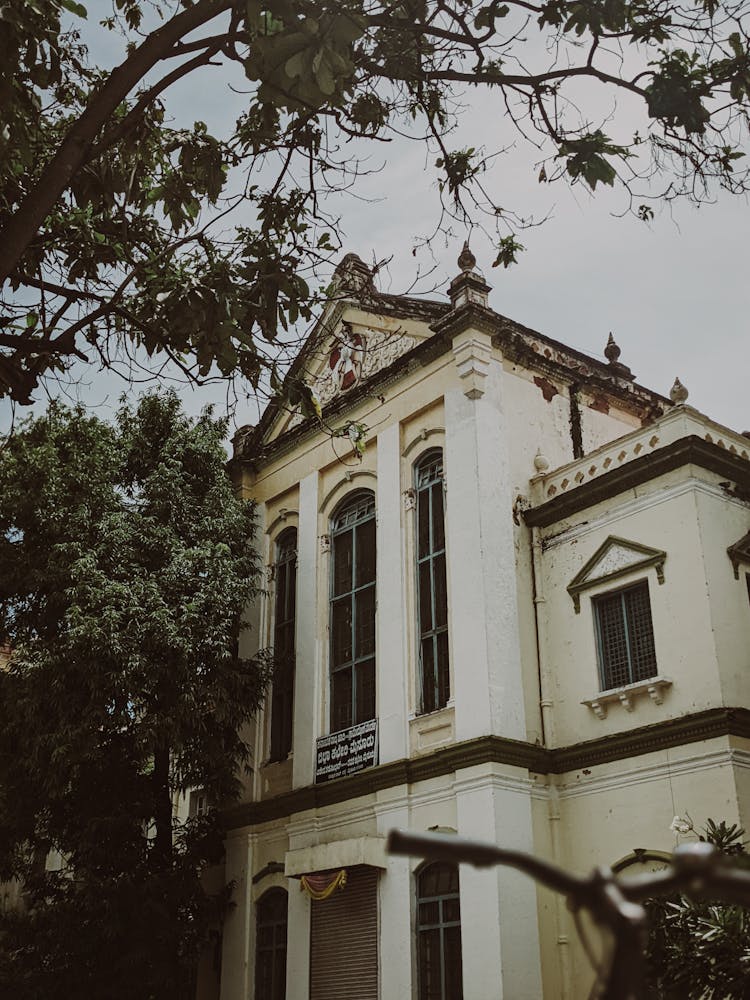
(472, 354)
(325, 543)
(654, 687)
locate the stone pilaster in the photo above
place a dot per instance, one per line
(485, 643)
(396, 888)
(392, 680)
(298, 944)
(499, 928)
(307, 675)
(236, 979)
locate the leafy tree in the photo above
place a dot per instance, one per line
(125, 563)
(701, 951)
(111, 218)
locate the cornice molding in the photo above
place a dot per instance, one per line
(712, 723)
(690, 450)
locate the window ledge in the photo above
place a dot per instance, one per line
(654, 687)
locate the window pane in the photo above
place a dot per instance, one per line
(430, 980)
(365, 622)
(341, 627)
(342, 563)
(451, 911)
(613, 641)
(429, 913)
(279, 981)
(265, 935)
(423, 522)
(641, 633)
(281, 572)
(341, 709)
(441, 594)
(365, 691)
(452, 959)
(443, 670)
(291, 590)
(270, 968)
(425, 598)
(429, 694)
(438, 520)
(365, 552)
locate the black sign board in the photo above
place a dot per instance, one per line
(346, 752)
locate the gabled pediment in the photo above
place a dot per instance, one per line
(614, 558)
(739, 553)
(348, 346)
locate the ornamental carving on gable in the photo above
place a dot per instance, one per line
(353, 358)
(617, 558)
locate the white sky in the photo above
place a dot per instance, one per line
(674, 293)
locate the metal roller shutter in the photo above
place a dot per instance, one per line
(344, 940)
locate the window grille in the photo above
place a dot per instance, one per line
(282, 692)
(270, 948)
(352, 618)
(439, 933)
(431, 583)
(625, 636)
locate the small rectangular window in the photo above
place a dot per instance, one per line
(625, 636)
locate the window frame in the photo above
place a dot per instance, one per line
(441, 674)
(281, 724)
(442, 925)
(338, 531)
(278, 990)
(606, 682)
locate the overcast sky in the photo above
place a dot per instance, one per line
(674, 293)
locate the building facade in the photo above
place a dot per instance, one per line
(508, 591)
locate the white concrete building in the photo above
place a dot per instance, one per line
(521, 613)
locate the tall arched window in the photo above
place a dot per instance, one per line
(353, 611)
(282, 692)
(270, 947)
(431, 583)
(439, 933)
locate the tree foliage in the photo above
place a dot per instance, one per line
(111, 217)
(701, 951)
(125, 565)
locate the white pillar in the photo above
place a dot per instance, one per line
(488, 692)
(235, 958)
(298, 944)
(392, 696)
(306, 679)
(499, 927)
(395, 891)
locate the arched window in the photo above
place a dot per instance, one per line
(439, 933)
(270, 948)
(353, 611)
(431, 583)
(282, 692)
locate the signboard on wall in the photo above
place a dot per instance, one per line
(346, 752)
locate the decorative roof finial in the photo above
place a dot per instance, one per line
(678, 393)
(466, 259)
(612, 352)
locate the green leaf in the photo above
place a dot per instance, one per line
(75, 8)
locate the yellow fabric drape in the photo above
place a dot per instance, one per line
(323, 886)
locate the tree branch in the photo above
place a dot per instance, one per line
(74, 149)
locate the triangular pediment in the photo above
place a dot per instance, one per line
(349, 346)
(614, 558)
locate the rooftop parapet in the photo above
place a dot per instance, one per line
(678, 423)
